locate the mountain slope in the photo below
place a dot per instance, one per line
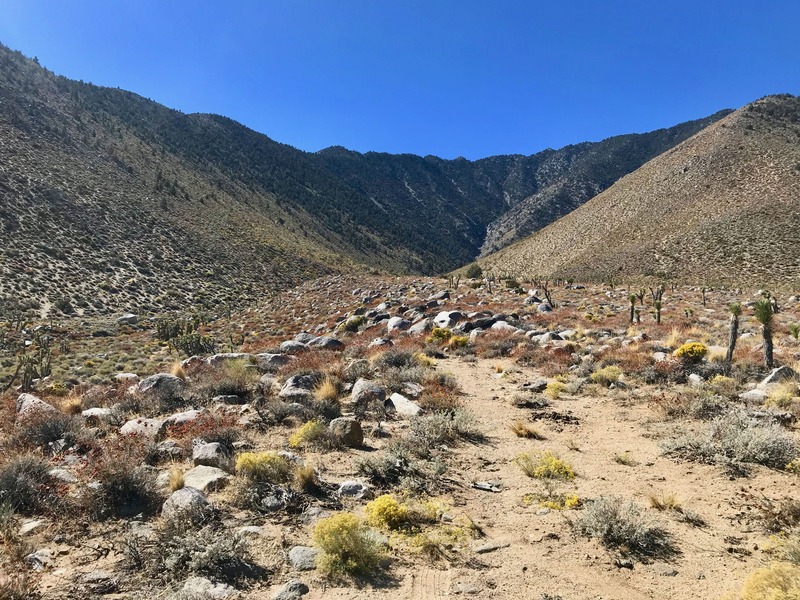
(722, 207)
(109, 201)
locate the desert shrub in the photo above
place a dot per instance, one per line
(458, 341)
(544, 465)
(397, 359)
(393, 378)
(622, 525)
(560, 501)
(123, 491)
(386, 512)
(313, 434)
(721, 385)
(268, 467)
(233, 378)
(554, 389)
(496, 344)
(473, 271)
(778, 581)
(46, 428)
(209, 427)
(691, 352)
(694, 404)
(735, 439)
(784, 396)
(786, 548)
(179, 550)
(353, 323)
(304, 479)
(18, 586)
(439, 335)
(348, 547)
(439, 428)
(606, 376)
(26, 485)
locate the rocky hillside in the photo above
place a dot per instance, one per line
(720, 208)
(113, 202)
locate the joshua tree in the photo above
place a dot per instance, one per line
(733, 333)
(657, 306)
(632, 300)
(763, 312)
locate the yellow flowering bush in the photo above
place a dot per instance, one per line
(347, 546)
(268, 467)
(691, 352)
(386, 512)
(545, 465)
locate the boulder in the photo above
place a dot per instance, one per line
(212, 455)
(96, 416)
(162, 388)
(447, 318)
(420, 327)
(291, 590)
(756, 396)
(505, 326)
(219, 360)
(348, 431)
(366, 392)
(403, 406)
(304, 337)
(397, 324)
(381, 343)
(297, 388)
(206, 479)
(200, 587)
(326, 343)
(182, 418)
(303, 558)
(30, 407)
(777, 375)
(544, 307)
(128, 319)
(353, 489)
(293, 347)
(272, 362)
(152, 429)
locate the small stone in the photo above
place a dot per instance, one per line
(664, 570)
(303, 558)
(40, 560)
(206, 479)
(184, 499)
(348, 431)
(30, 527)
(151, 429)
(204, 588)
(491, 547)
(291, 590)
(353, 489)
(62, 475)
(403, 406)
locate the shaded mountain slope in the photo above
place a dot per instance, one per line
(722, 207)
(109, 201)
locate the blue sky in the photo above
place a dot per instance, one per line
(450, 78)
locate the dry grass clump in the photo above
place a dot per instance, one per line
(328, 390)
(526, 430)
(17, 587)
(176, 479)
(623, 526)
(233, 378)
(665, 502)
(46, 428)
(347, 546)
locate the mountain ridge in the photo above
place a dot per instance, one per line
(156, 208)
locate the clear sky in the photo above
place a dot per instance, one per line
(445, 77)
